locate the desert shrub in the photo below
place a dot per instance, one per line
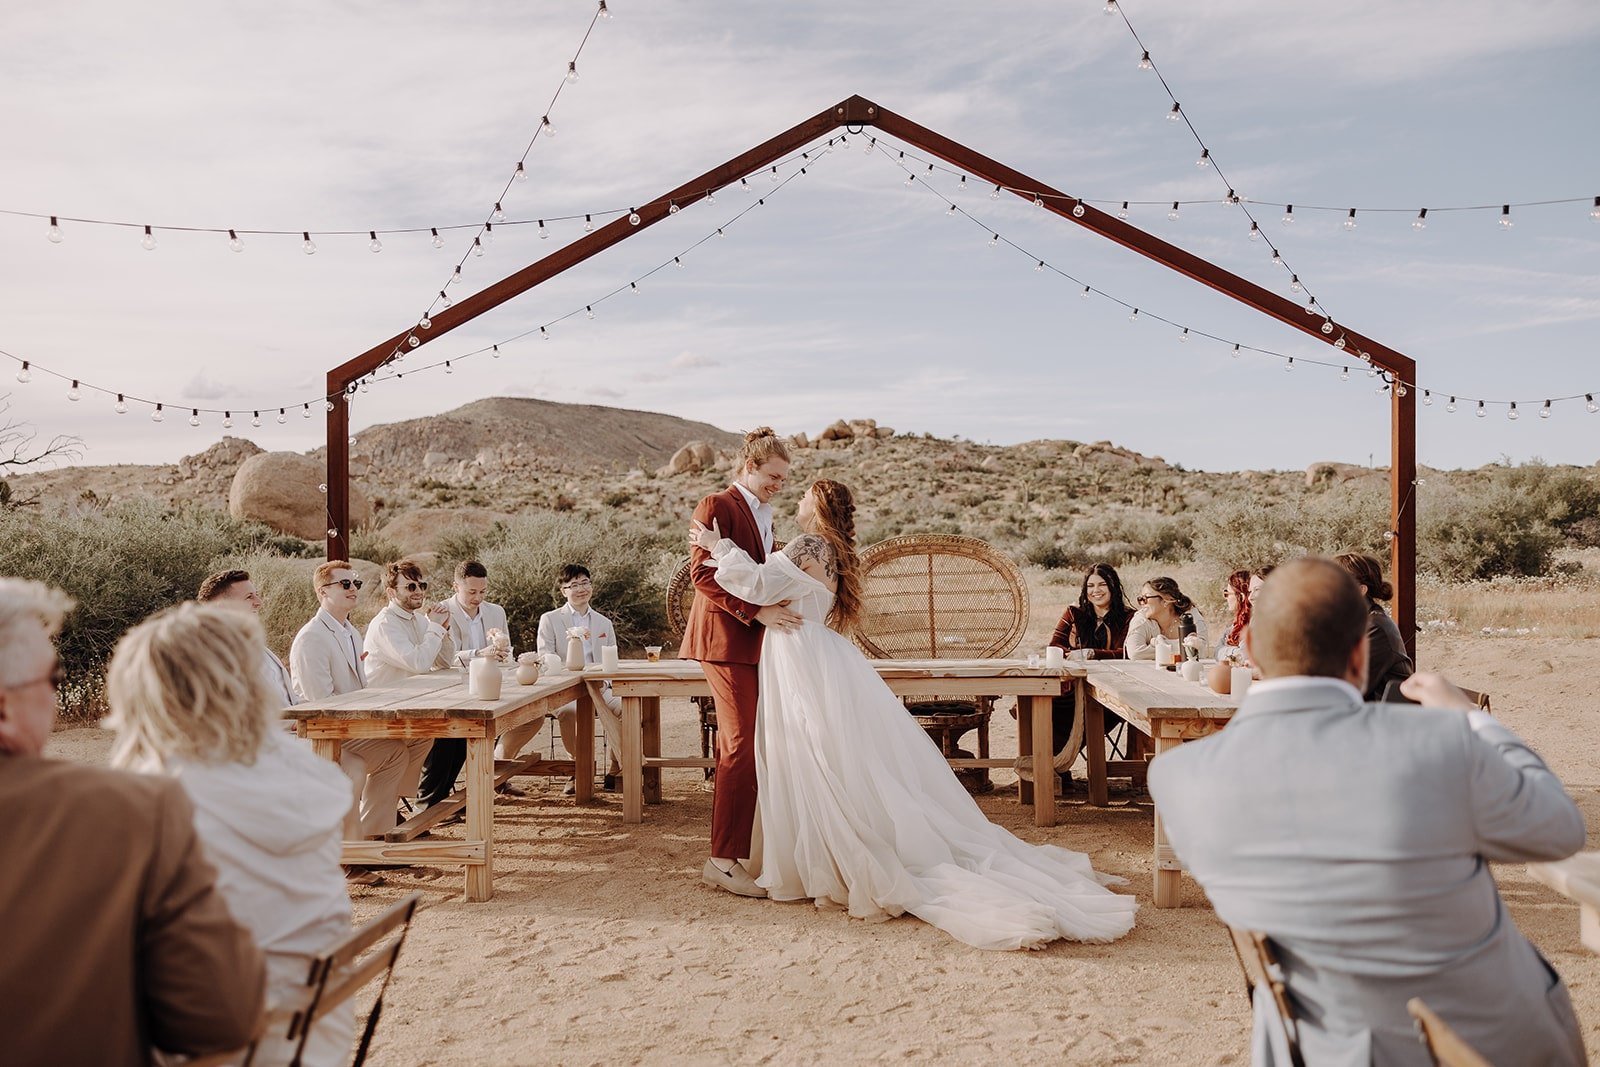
(461, 543)
(288, 599)
(1116, 537)
(1043, 550)
(1494, 532)
(1561, 496)
(523, 556)
(1251, 533)
(120, 563)
(367, 543)
(616, 498)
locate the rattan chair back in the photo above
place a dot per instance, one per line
(680, 594)
(940, 596)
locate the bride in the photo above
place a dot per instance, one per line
(858, 808)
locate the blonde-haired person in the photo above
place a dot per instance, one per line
(859, 809)
(189, 702)
(1386, 653)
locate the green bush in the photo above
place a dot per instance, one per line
(1499, 531)
(367, 543)
(1116, 537)
(1251, 533)
(120, 564)
(630, 567)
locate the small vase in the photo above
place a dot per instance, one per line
(483, 677)
(574, 653)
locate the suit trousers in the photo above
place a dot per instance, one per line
(734, 686)
(374, 766)
(441, 769)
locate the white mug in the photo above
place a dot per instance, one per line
(1239, 680)
(608, 657)
(1055, 656)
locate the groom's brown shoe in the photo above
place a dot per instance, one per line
(736, 881)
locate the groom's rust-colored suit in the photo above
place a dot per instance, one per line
(722, 633)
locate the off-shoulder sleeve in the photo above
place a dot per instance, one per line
(771, 582)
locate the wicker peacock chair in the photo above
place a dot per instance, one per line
(680, 595)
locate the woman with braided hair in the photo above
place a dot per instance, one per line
(857, 807)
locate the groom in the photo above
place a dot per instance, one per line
(724, 634)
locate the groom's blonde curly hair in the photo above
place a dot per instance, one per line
(760, 445)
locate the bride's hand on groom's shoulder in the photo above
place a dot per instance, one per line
(702, 536)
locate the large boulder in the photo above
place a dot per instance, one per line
(694, 456)
(418, 530)
(1330, 472)
(280, 489)
(838, 431)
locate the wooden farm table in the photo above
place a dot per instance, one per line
(439, 705)
(641, 685)
(1578, 879)
(1162, 705)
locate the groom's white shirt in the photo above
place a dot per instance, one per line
(763, 516)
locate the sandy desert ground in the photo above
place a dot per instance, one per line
(602, 946)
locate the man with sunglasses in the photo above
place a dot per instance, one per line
(326, 659)
(116, 938)
(408, 636)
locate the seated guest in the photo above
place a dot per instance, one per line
(1386, 653)
(1358, 837)
(235, 589)
(186, 704)
(1236, 598)
(1093, 628)
(1162, 607)
(576, 584)
(116, 940)
(406, 637)
(326, 659)
(472, 619)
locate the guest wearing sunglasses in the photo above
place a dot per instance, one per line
(326, 659)
(1162, 607)
(408, 636)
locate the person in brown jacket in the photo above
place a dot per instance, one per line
(724, 634)
(115, 939)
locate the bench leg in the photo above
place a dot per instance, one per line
(632, 759)
(1168, 871)
(480, 815)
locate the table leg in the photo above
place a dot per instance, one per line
(583, 759)
(632, 759)
(1025, 746)
(650, 723)
(480, 815)
(329, 748)
(1168, 871)
(1044, 760)
(1093, 714)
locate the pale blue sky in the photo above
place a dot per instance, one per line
(849, 294)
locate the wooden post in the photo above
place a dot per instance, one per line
(338, 483)
(1403, 512)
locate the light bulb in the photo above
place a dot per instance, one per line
(1289, 365)
(1544, 412)
(425, 322)
(633, 287)
(328, 405)
(774, 175)
(1482, 414)
(1277, 258)
(1452, 405)
(677, 262)
(588, 224)
(413, 340)
(148, 241)
(1340, 343)
(952, 210)
(1311, 307)
(53, 234)
(1505, 217)
(194, 416)
(1038, 268)
(488, 234)
(544, 334)
(155, 416)
(1173, 214)
(1173, 115)
(1344, 374)
(1205, 158)
(307, 245)
(572, 71)
(1038, 201)
(1381, 389)
(455, 276)
(447, 368)
(545, 127)
(1255, 231)
(495, 351)
(1594, 212)
(544, 234)
(521, 173)
(1085, 294)
(588, 309)
(72, 393)
(1183, 337)
(438, 242)
(1421, 221)
(673, 208)
(445, 300)
(25, 375)
(744, 184)
(605, 12)
(1427, 399)
(255, 419)
(1327, 326)
(305, 411)
(1236, 352)
(227, 420)
(1588, 403)
(1135, 316)
(994, 242)
(1511, 412)
(720, 233)
(633, 218)
(477, 247)
(363, 387)
(499, 212)
(1144, 62)
(1400, 390)
(963, 183)
(351, 441)
(332, 533)
(1077, 209)
(322, 487)
(1288, 215)
(911, 179)
(1350, 220)
(1294, 284)
(1122, 212)
(121, 406)
(1111, 7)
(994, 194)
(1372, 372)
(283, 416)
(234, 242)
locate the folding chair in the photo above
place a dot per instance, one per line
(1253, 949)
(334, 977)
(1444, 1045)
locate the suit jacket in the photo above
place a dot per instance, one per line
(116, 939)
(1386, 654)
(325, 658)
(493, 617)
(553, 627)
(1358, 837)
(721, 627)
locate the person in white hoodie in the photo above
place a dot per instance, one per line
(189, 701)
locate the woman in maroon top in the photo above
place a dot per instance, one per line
(1096, 627)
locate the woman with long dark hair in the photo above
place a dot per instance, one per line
(1386, 653)
(1098, 622)
(858, 808)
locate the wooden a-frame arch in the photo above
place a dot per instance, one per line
(855, 113)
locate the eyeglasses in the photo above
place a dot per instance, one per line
(579, 583)
(57, 677)
(1152, 600)
(344, 583)
(412, 587)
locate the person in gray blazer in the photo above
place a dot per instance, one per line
(1358, 838)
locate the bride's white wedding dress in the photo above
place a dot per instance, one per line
(858, 807)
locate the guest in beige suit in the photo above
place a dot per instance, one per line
(325, 659)
(116, 941)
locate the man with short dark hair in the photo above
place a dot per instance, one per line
(578, 616)
(1358, 837)
(116, 941)
(408, 636)
(235, 589)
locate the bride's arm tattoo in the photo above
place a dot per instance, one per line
(813, 548)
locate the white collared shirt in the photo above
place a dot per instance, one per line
(763, 514)
(477, 636)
